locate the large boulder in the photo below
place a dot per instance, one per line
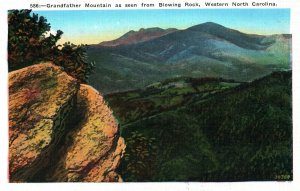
(59, 130)
(95, 148)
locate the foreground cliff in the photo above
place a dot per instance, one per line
(59, 130)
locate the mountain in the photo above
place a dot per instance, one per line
(60, 130)
(133, 37)
(207, 129)
(204, 50)
(246, 41)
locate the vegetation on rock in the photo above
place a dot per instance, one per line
(30, 41)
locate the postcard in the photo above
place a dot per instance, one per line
(162, 95)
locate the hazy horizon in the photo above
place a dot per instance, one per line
(93, 27)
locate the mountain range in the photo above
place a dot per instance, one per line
(140, 58)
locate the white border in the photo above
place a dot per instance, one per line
(294, 5)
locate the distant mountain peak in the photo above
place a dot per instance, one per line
(231, 35)
(209, 23)
(142, 35)
(207, 27)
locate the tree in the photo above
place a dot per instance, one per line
(140, 158)
(30, 42)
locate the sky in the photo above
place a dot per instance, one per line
(95, 26)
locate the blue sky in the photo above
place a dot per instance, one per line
(95, 26)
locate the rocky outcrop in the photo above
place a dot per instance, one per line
(59, 130)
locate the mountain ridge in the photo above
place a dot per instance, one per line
(133, 37)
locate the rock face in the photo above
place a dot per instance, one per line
(59, 130)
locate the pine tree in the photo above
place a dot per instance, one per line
(30, 42)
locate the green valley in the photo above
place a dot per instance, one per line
(207, 129)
